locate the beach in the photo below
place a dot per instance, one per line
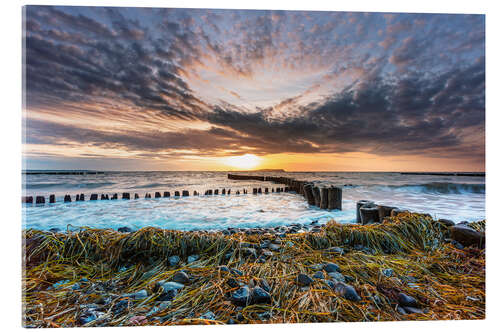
(402, 265)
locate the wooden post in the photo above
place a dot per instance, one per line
(195, 193)
(185, 193)
(115, 196)
(259, 191)
(237, 192)
(369, 213)
(358, 206)
(147, 196)
(216, 191)
(27, 199)
(77, 197)
(40, 200)
(316, 195)
(272, 190)
(324, 198)
(254, 191)
(93, 197)
(136, 196)
(166, 194)
(67, 198)
(157, 195)
(223, 191)
(337, 197)
(52, 198)
(309, 194)
(82, 197)
(384, 211)
(126, 196)
(266, 190)
(177, 194)
(228, 191)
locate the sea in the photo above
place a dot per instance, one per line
(458, 198)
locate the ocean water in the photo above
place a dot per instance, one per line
(454, 197)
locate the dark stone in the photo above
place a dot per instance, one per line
(411, 309)
(304, 279)
(347, 291)
(337, 276)
(331, 267)
(124, 229)
(54, 229)
(52, 198)
(319, 275)
(265, 285)
(181, 277)
(241, 296)
(224, 269)
(467, 236)
(236, 272)
(173, 260)
(446, 222)
(260, 296)
(405, 300)
(232, 282)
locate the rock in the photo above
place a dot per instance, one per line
(467, 236)
(173, 260)
(267, 253)
(166, 286)
(137, 320)
(388, 272)
(446, 222)
(260, 296)
(349, 278)
(76, 286)
(124, 229)
(141, 294)
(232, 282)
(304, 280)
(337, 276)
(241, 296)
(223, 269)
(193, 258)
(208, 315)
(335, 250)
(457, 245)
(162, 306)
(331, 267)
(318, 275)
(181, 277)
(120, 306)
(411, 309)
(274, 247)
(347, 291)
(249, 252)
(88, 316)
(405, 300)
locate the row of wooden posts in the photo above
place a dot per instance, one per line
(126, 196)
(322, 197)
(369, 212)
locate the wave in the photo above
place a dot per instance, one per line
(433, 187)
(67, 185)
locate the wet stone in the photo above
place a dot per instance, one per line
(241, 296)
(173, 260)
(208, 315)
(337, 276)
(347, 291)
(304, 280)
(181, 277)
(406, 300)
(265, 285)
(193, 258)
(260, 296)
(274, 247)
(331, 267)
(388, 272)
(236, 272)
(124, 229)
(411, 309)
(319, 275)
(223, 269)
(233, 283)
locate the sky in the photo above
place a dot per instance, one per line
(200, 89)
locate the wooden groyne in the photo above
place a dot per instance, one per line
(322, 197)
(459, 174)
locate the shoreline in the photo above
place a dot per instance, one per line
(407, 268)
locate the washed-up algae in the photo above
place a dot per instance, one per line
(95, 277)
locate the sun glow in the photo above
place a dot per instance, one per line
(244, 162)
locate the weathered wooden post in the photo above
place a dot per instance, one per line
(82, 197)
(136, 196)
(245, 191)
(210, 192)
(40, 200)
(195, 193)
(125, 196)
(67, 198)
(316, 195)
(115, 196)
(52, 198)
(309, 194)
(324, 198)
(157, 195)
(272, 190)
(216, 191)
(147, 196)
(77, 197)
(259, 191)
(185, 193)
(177, 194)
(384, 211)
(254, 191)
(358, 206)
(369, 213)
(237, 192)
(93, 197)
(223, 191)
(166, 194)
(266, 190)
(228, 191)
(337, 197)
(27, 199)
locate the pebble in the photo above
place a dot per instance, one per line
(267, 253)
(336, 250)
(248, 251)
(406, 300)
(120, 306)
(318, 275)
(274, 247)
(337, 276)
(141, 294)
(411, 309)
(232, 282)
(76, 286)
(162, 306)
(181, 277)
(173, 260)
(208, 315)
(241, 296)
(193, 258)
(331, 267)
(236, 272)
(347, 291)
(166, 286)
(260, 296)
(304, 279)
(388, 272)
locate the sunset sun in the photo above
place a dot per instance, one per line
(244, 162)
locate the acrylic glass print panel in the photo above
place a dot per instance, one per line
(198, 166)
